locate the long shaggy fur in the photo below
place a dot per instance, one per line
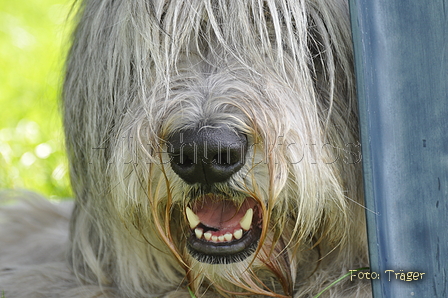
(279, 71)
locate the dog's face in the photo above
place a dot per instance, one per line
(240, 174)
(229, 136)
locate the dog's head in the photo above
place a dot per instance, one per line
(213, 138)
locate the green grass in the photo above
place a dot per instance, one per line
(33, 42)
(191, 293)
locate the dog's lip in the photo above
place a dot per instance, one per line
(221, 230)
(249, 240)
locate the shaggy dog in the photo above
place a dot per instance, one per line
(213, 148)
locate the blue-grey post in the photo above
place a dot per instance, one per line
(401, 59)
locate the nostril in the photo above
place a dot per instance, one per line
(182, 160)
(228, 158)
(221, 159)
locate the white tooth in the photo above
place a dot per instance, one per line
(228, 236)
(198, 233)
(221, 238)
(215, 238)
(207, 235)
(238, 234)
(193, 219)
(247, 219)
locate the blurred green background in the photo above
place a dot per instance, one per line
(34, 37)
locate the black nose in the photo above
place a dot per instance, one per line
(207, 155)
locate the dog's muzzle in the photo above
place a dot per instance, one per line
(223, 230)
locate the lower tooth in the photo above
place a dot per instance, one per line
(198, 233)
(238, 234)
(228, 237)
(207, 236)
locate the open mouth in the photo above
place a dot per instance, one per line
(221, 231)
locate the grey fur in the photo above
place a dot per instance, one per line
(278, 70)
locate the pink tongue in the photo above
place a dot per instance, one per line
(220, 214)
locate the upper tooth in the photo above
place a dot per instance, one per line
(193, 219)
(247, 219)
